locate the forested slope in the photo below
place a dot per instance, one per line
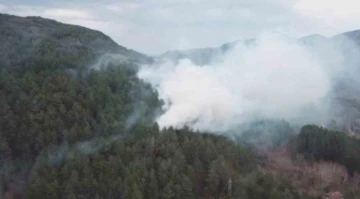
(51, 96)
(69, 130)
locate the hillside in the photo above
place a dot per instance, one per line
(51, 97)
(23, 38)
(91, 132)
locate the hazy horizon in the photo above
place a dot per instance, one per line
(156, 26)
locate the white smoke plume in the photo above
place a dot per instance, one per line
(277, 77)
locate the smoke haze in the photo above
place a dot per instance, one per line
(276, 77)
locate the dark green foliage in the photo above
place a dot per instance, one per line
(49, 107)
(50, 96)
(322, 144)
(189, 165)
(54, 106)
(258, 185)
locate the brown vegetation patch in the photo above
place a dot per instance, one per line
(312, 178)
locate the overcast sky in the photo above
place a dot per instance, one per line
(156, 26)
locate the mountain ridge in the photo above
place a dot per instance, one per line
(26, 36)
(202, 56)
(32, 29)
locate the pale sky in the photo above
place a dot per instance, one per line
(156, 26)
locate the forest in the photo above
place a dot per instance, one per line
(90, 133)
(70, 130)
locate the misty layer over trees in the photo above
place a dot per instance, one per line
(79, 118)
(303, 81)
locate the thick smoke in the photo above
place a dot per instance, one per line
(275, 77)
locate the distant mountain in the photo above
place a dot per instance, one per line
(23, 38)
(313, 39)
(202, 56)
(353, 35)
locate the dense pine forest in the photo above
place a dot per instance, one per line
(71, 130)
